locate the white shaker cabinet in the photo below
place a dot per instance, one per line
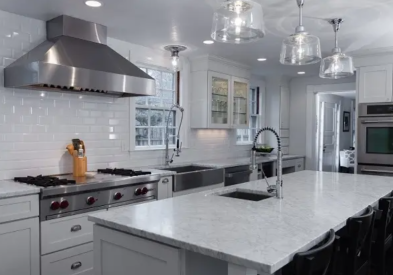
(19, 247)
(375, 84)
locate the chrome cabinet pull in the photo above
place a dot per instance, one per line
(76, 228)
(76, 265)
(377, 171)
(376, 121)
(166, 180)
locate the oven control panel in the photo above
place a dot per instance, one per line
(67, 205)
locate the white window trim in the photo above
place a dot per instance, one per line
(185, 124)
(261, 117)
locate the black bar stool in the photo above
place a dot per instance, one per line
(317, 261)
(354, 253)
(382, 239)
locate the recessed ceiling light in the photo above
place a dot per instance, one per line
(261, 59)
(301, 72)
(208, 42)
(149, 58)
(237, 39)
(93, 3)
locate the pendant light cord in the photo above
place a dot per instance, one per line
(300, 4)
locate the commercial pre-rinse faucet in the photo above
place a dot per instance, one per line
(278, 188)
(177, 150)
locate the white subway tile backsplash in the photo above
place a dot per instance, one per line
(6, 128)
(45, 120)
(13, 119)
(22, 128)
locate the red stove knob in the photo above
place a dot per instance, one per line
(138, 191)
(117, 196)
(64, 204)
(145, 190)
(90, 200)
(54, 205)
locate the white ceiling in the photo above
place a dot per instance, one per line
(156, 23)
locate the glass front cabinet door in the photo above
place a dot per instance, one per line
(220, 100)
(240, 103)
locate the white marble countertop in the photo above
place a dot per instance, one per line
(10, 188)
(261, 235)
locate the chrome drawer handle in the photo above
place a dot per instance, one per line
(76, 265)
(76, 228)
(166, 180)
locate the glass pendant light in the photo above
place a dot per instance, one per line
(300, 48)
(238, 21)
(338, 65)
(175, 59)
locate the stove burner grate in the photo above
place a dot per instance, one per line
(123, 172)
(44, 181)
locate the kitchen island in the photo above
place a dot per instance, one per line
(205, 233)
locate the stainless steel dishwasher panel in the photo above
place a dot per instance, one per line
(197, 179)
(237, 175)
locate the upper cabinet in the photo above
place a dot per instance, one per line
(375, 84)
(219, 94)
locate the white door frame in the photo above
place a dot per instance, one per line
(319, 133)
(311, 125)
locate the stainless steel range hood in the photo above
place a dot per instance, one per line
(76, 59)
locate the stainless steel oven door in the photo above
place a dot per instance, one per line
(375, 140)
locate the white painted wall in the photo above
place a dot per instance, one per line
(302, 109)
(35, 129)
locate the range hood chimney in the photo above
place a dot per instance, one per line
(76, 59)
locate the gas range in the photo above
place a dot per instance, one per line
(66, 195)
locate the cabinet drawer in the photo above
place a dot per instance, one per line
(66, 232)
(289, 163)
(18, 208)
(76, 260)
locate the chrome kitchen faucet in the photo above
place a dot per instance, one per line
(177, 150)
(278, 188)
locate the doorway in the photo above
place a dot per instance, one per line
(335, 135)
(328, 135)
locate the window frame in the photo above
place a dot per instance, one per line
(259, 115)
(134, 106)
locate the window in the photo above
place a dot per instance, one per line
(246, 136)
(151, 112)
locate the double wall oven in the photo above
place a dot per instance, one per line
(375, 139)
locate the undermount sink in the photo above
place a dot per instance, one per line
(186, 169)
(246, 196)
(194, 176)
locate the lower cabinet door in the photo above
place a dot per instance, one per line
(72, 261)
(118, 253)
(19, 247)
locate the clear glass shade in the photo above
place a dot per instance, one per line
(238, 22)
(176, 63)
(300, 49)
(336, 66)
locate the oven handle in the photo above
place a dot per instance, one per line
(377, 171)
(376, 121)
